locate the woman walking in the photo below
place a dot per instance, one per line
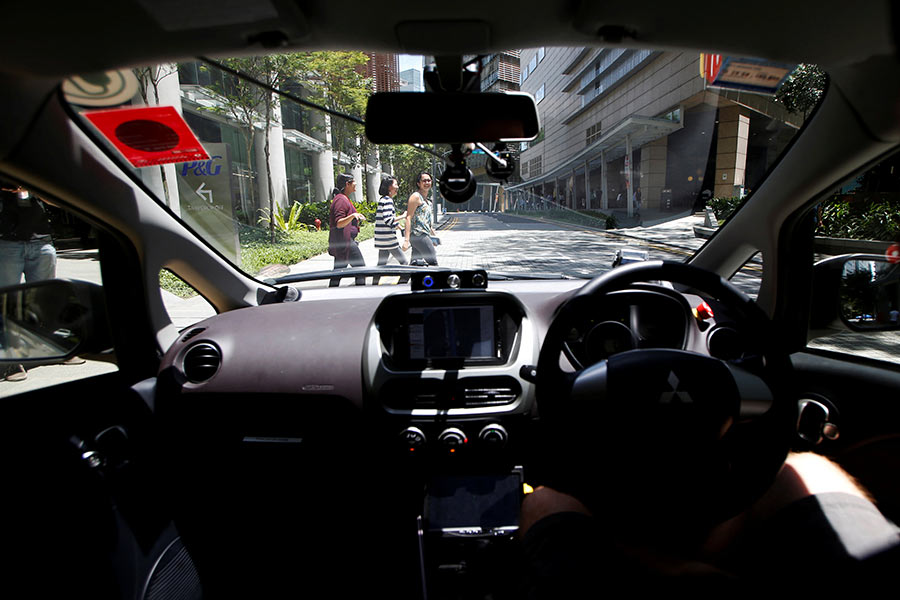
(386, 226)
(343, 227)
(418, 224)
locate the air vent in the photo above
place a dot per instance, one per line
(488, 396)
(201, 362)
(193, 333)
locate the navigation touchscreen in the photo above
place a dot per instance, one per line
(437, 332)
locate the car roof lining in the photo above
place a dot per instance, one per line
(78, 38)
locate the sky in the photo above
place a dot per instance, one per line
(408, 61)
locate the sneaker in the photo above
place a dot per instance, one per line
(75, 360)
(16, 373)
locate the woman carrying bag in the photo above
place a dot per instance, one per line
(419, 231)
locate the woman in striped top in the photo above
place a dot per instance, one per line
(387, 224)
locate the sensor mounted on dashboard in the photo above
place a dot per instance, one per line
(450, 280)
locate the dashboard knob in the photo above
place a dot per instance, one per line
(494, 435)
(453, 281)
(478, 280)
(413, 438)
(453, 438)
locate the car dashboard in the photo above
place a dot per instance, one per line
(438, 372)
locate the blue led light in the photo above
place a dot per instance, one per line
(427, 281)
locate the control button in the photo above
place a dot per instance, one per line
(494, 435)
(703, 312)
(453, 281)
(453, 438)
(478, 280)
(413, 438)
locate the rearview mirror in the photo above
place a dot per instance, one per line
(50, 321)
(451, 117)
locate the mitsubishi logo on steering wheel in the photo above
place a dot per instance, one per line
(674, 394)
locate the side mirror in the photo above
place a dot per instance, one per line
(52, 320)
(859, 292)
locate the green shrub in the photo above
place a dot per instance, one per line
(258, 252)
(723, 207)
(588, 218)
(860, 218)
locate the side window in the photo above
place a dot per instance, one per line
(183, 304)
(862, 219)
(39, 241)
(748, 277)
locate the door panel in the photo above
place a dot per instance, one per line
(867, 398)
(86, 502)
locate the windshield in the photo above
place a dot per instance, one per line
(641, 155)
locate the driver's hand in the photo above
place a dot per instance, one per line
(545, 501)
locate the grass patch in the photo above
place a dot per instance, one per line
(257, 251)
(172, 283)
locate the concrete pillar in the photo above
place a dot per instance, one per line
(653, 171)
(587, 184)
(731, 150)
(277, 169)
(357, 173)
(373, 174)
(571, 202)
(323, 161)
(604, 182)
(629, 184)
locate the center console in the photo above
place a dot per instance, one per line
(442, 376)
(442, 371)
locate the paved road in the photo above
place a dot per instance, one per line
(515, 244)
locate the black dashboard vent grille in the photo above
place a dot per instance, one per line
(201, 362)
(489, 396)
(193, 333)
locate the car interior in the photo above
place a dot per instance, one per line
(379, 439)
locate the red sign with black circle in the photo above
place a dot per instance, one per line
(149, 135)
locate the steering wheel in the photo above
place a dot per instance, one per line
(675, 439)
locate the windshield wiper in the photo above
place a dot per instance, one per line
(400, 270)
(498, 276)
(385, 271)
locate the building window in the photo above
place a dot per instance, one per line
(536, 167)
(614, 67)
(532, 65)
(593, 133)
(673, 115)
(523, 170)
(524, 73)
(540, 54)
(539, 95)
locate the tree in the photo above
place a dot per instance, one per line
(247, 102)
(149, 79)
(335, 82)
(801, 91)
(407, 162)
